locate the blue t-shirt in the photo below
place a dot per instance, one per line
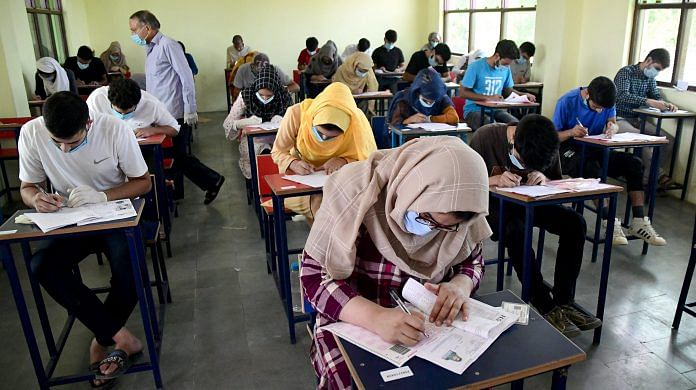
(482, 79)
(571, 106)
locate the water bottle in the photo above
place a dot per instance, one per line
(295, 291)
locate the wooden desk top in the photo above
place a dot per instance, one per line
(33, 231)
(566, 195)
(389, 74)
(520, 352)
(451, 85)
(322, 82)
(156, 139)
(254, 131)
(36, 103)
(89, 88)
(490, 104)
(418, 131)
(9, 126)
(661, 114)
(529, 84)
(605, 144)
(282, 187)
(373, 95)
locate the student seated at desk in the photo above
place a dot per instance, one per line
(636, 87)
(87, 161)
(114, 60)
(51, 78)
(356, 72)
(189, 59)
(237, 50)
(490, 79)
(247, 73)
(266, 101)
(434, 39)
(463, 63)
(324, 133)
(429, 227)
(311, 45)
(323, 65)
(363, 46)
(88, 69)
(591, 111)
(389, 58)
(436, 58)
(521, 68)
(426, 100)
(527, 153)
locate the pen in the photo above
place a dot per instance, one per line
(402, 305)
(38, 187)
(578, 120)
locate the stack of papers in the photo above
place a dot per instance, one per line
(368, 94)
(556, 187)
(269, 126)
(316, 179)
(513, 98)
(83, 215)
(666, 111)
(627, 137)
(430, 126)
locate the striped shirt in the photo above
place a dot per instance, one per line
(633, 88)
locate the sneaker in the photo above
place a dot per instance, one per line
(619, 236)
(558, 319)
(642, 229)
(581, 319)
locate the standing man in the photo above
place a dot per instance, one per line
(169, 79)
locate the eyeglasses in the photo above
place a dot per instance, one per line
(427, 219)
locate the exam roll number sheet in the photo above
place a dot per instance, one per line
(453, 348)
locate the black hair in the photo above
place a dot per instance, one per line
(463, 215)
(536, 140)
(443, 51)
(507, 49)
(529, 48)
(390, 36)
(65, 114)
(331, 127)
(237, 38)
(85, 53)
(147, 18)
(182, 46)
(124, 93)
(363, 44)
(602, 91)
(312, 43)
(661, 56)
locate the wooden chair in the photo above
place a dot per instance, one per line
(459, 103)
(9, 133)
(380, 131)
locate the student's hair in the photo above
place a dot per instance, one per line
(661, 56)
(124, 93)
(331, 127)
(390, 36)
(506, 49)
(85, 53)
(443, 51)
(463, 215)
(536, 140)
(147, 18)
(363, 44)
(237, 38)
(602, 91)
(182, 46)
(529, 48)
(433, 35)
(312, 43)
(65, 114)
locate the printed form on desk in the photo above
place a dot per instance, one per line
(315, 179)
(432, 126)
(83, 215)
(556, 187)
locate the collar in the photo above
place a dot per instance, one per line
(157, 38)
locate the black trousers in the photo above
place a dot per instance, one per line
(186, 164)
(570, 228)
(621, 164)
(53, 267)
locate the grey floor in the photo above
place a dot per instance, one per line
(226, 328)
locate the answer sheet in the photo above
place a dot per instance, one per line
(315, 179)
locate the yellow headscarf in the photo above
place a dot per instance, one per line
(346, 73)
(334, 105)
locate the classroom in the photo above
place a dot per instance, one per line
(406, 194)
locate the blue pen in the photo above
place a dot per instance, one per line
(580, 123)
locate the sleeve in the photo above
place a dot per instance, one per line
(611, 113)
(372, 83)
(39, 90)
(285, 139)
(163, 117)
(528, 72)
(238, 78)
(470, 76)
(473, 266)
(130, 158)
(284, 78)
(449, 115)
(181, 67)
(460, 63)
(554, 172)
(71, 81)
(508, 83)
(328, 298)
(236, 113)
(623, 89)
(99, 67)
(413, 66)
(653, 91)
(30, 167)
(299, 58)
(560, 115)
(375, 58)
(401, 56)
(399, 113)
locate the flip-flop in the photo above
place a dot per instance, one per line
(105, 385)
(121, 359)
(211, 194)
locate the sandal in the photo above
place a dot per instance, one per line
(212, 193)
(105, 384)
(664, 182)
(121, 359)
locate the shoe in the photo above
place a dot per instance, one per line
(558, 319)
(642, 229)
(212, 193)
(619, 238)
(581, 319)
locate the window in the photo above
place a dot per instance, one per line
(669, 24)
(47, 28)
(471, 24)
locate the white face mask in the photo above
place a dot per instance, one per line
(360, 74)
(263, 99)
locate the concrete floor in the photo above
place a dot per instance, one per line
(226, 328)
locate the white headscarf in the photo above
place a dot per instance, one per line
(60, 83)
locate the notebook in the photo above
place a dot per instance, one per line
(83, 215)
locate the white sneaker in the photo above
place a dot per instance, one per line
(642, 229)
(619, 238)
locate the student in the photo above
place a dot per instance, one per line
(51, 78)
(521, 68)
(88, 69)
(434, 39)
(114, 60)
(437, 58)
(388, 58)
(463, 63)
(490, 79)
(636, 87)
(237, 50)
(63, 147)
(170, 80)
(323, 65)
(356, 72)
(426, 100)
(527, 153)
(189, 59)
(311, 46)
(363, 46)
(426, 226)
(247, 74)
(325, 133)
(590, 111)
(266, 101)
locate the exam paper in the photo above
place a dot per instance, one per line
(369, 93)
(432, 126)
(627, 137)
(534, 191)
(315, 179)
(83, 215)
(269, 126)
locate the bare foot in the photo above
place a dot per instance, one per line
(97, 353)
(125, 341)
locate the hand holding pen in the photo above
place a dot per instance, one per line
(579, 130)
(45, 202)
(403, 307)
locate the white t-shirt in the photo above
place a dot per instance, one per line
(110, 156)
(149, 110)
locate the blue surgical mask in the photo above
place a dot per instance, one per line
(360, 74)
(389, 46)
(650, 72)
(114, 58)
(413, 226)
(433, 44)
(138, 41)
(76, 148)
(263, 99)
(318, 136)
(432, 61)
(515, 161)
(424, 103)
(82, 66)
(521, 60)
(125, 116)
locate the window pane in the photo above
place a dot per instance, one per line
(45, 37)
(486, 30)
(519, 26)
(688, 69)
(37, 51)
(57, 20)
(657, 28)
(486, 4)
(456, 4)
(41, 4)
(520, 3)
(29, 3)
(457, 32)
(659, 1)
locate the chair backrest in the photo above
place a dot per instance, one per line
(379, 130)
(459, 103)
(264, 166)
(13, 133)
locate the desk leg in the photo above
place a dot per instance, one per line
(687, 282)
(393, 139)
(254, 178)
(606, 262)
(483, 116)
(283, 263)
(677, 144)
(401, 139)
(501, 244)
(642, 124)
(559, 378)
(527, 254)
(40, 305)
(517, 385)
(687, 175)
(162, 198)
(280, 242)
(652, 187)
(24, 317)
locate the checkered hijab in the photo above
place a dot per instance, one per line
(266, 78)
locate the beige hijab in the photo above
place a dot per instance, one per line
(433, 174)
(346, 73)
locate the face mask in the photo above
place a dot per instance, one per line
(360, 74)
(389, 46)
(424, 103)
(433, 44)
(76, 148)
(114, 58)
(311, 53)
(124, 117)
(432, 61)
(138, 41)
(318, 136)
(650, 72)
(515, 161)
(263, 99)
(522, 61)
(414, 227)
(50, 78)
(82, 66)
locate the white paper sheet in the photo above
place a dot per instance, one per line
(515, 98)
(269, 126)
(366, 94)
(316, 179)
(109, 211)
(628, 137)
(534, 191)
(83, 215)
(395, 354)
(431, 126)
